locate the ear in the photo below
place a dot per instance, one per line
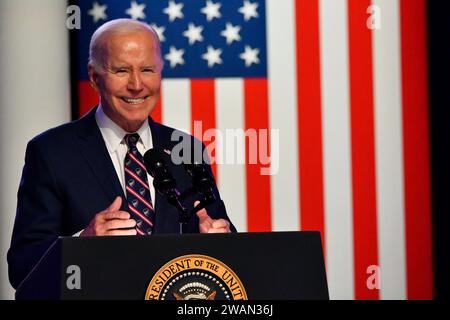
(93, 77)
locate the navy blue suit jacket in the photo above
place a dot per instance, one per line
(68, 177)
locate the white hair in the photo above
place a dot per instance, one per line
(117, 27)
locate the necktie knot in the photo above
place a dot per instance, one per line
(131, 140)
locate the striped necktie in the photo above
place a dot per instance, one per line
(137, 190)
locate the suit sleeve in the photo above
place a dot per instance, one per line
(38, 216)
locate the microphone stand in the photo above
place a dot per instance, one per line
(183, 214)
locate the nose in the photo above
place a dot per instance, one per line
(135, 81)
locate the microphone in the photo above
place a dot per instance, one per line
(155, 164)
(163, 181)
(201, 180)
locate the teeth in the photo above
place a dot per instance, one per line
(133, 101)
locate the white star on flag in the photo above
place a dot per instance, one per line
(159, 31)
(231, 33)
(212, 10)
(98, 12)
(175, 56)
(212, 56)
(136, 11)
(250, 56)
(249, 10)
(193, 33)
(174, 10)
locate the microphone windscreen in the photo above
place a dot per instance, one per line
(153, 159)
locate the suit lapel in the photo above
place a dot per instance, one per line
(96, 154)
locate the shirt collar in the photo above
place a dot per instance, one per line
(114, 134)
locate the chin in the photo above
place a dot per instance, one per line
(136, 117)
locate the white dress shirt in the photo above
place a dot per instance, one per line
(117, 148)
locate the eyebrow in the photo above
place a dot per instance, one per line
(150, 66)
(120, 66)
(116, 67)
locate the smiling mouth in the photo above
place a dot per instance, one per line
(134, 100)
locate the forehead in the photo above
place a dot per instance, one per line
(135, 47)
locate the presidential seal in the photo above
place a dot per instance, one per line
(195, 277)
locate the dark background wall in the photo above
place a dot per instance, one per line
(439, 81)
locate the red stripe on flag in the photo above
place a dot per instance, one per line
(88, 97)
(309, 117)
(416, 150)
(203, 108)
(157, 111)
(258, 186)
(363, 147)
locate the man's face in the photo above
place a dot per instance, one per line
(129, 83)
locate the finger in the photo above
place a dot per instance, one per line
(120, 224)
(219, 230)
(203, 216)
(204, 223)
(115, 205)
(220, 223)
(128, 232)
(201, 213)
(122, 215)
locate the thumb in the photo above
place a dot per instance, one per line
(115, 206)
(202, 214)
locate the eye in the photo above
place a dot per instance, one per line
(148, 70)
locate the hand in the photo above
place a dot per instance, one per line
(209, 225)
(111, 222)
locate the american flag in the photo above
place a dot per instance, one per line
(345, 84)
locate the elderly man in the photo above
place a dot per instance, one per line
(87, 177)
